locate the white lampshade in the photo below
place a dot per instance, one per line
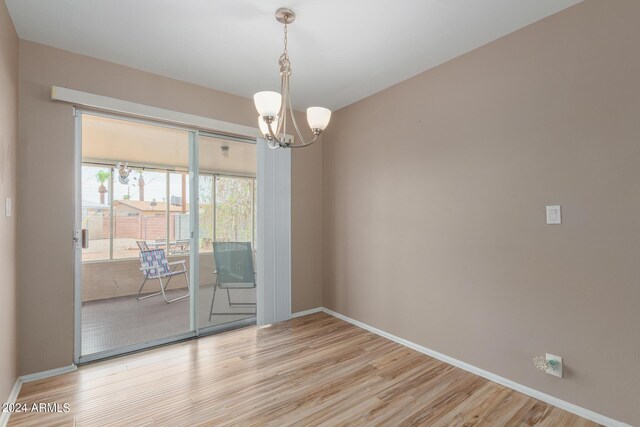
(264, 128)
(268, 103)
(318, 117)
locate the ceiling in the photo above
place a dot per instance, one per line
(341, 51)
(106, 140)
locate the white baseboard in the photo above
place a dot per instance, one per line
(569, 407)
(47, 374)
(306, 312)
(15, 391)
(13, 396)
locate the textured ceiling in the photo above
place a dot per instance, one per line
(341, 51)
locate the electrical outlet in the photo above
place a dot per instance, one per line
(554, 365)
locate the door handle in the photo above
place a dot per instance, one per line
(85, 238)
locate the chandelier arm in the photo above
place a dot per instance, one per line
(285, 95)
(283, 111)
(306, 144)
(274, 138)
(293, 120)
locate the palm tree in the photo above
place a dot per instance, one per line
(102, 176)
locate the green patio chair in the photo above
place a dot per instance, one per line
(234, 270)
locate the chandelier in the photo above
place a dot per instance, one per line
(273, 107)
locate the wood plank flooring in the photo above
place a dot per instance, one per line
(313, 370)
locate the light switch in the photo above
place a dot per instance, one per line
(7, 206)
(554, 215)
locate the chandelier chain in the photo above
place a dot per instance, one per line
(285, 64)
(285, 37)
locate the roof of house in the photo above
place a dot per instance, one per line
(88, 204)
(146, 206)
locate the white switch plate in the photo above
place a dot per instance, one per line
(554, 215)
(557, 372)
(7, 206)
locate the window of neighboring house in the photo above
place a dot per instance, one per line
(154, 204)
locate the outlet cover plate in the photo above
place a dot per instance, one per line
(557, 372)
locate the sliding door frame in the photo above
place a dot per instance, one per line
(194, 219)
(77, 237)
(194, 175)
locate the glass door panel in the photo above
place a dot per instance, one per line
(227, 292)
(135, 206)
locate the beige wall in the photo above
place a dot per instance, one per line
(306, 228)
(435, 194)
(45, 178)
(8, 139)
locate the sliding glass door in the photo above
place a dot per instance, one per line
(135, 265)
(157, 205)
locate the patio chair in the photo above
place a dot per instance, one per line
(154, 265)
(142, 244)
(180, 247)
(234, 270)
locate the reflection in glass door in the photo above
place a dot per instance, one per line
(135, 264)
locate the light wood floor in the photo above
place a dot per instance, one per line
(309, 371)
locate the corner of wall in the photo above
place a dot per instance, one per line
(8, 224)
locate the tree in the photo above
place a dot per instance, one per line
(234, 209)
(206, 210)
(102, 176)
